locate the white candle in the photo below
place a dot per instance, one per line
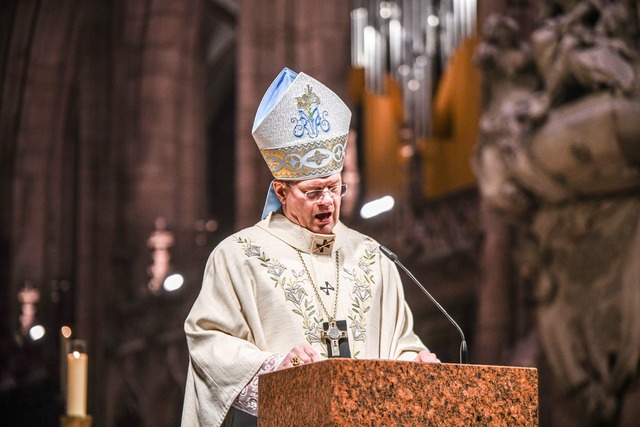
(65, 335)
(77, 364)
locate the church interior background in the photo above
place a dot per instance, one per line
(505, 132)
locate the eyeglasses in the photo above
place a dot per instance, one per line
(317, 195)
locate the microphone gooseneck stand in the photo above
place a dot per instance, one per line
(463, 344)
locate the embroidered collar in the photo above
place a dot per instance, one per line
(300, 238)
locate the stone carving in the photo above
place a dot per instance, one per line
(560, 149)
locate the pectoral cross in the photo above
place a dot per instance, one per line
(334, 334)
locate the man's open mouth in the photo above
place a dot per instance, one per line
(323, 216)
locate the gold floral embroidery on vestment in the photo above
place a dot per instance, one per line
(290, 281)
(291, 284)
(361, 279)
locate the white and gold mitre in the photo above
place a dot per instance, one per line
(301, 128)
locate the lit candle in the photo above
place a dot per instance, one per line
(77, 364)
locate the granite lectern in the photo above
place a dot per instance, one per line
(349, 392)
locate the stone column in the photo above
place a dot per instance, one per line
(313, 37)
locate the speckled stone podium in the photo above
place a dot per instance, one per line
(348, 392)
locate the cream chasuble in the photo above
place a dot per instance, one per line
(256, 300)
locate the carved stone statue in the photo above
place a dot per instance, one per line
(560, 152)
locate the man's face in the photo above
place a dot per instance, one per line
(318, 216)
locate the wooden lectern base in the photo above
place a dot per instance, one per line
(348, 392)
(74, 421)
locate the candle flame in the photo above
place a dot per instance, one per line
(65, 331)
(76, 354)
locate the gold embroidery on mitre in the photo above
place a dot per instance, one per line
(318, 157)
(306, 160)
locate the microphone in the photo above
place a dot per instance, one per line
(463, 344)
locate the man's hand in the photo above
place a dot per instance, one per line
(426, 356)
(299, 355)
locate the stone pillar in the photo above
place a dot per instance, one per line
(495, 295)
(38, 151)
(154, 164)
(313, 37)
